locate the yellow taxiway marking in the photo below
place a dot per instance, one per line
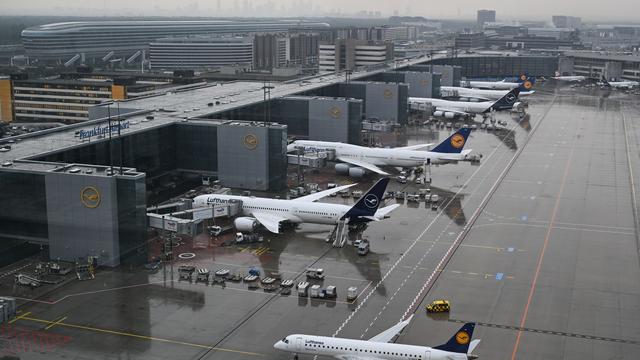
(57, 322)
(136, 336)
(19, 317)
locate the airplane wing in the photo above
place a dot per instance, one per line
(363, 164)
(454, 157)
(383, 212)
(388, 334)
(320, 194)
(269, 221)
(457, 112)
(415, 147)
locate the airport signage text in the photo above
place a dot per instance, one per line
(103, 130)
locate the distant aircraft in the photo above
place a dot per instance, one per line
(620, 84)
(271, 213)
(569, 78)
(370, 159)
(451, 109)
(525, 83)
(380, 347)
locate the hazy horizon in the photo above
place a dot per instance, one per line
(614, 11)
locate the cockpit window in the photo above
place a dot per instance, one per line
(285, 341)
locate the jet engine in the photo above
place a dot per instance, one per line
(342, 169)
(449, 115)
(438, 113)
(246, 224)
(356, 172)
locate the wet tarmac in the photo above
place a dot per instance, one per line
(537, 244)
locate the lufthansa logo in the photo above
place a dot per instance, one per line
(371, 201)
(462, 338)
(457, 141)
(388, 94)
(335, 112)
(527, 85)
(250, 141)
(511, 98)
(90, 197)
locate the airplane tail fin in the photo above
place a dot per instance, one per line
(368, 204)
(460, 341)
(454, 143)
(507, 101)
(605, 82)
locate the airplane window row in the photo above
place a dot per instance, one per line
(316, 213)
(264, 208)
(411, 356)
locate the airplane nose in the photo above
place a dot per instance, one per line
(279, 345)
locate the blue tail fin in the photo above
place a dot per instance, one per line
(368, 204)
(605, 82)
(507, 101)
(526, 82)
(454, 143)
(459, 342)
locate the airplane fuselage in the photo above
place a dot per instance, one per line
(459, 106)
(493, 85)
(294, 211)
(350, 348)
(381, 156)
(453, 91)
(576, 78)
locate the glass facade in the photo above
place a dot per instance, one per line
(23, 213)
(132, 220)
(493, 66)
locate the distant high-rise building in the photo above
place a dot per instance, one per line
(486, 16)
(561, 21)
(347, 54)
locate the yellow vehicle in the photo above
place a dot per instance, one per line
(438, 306)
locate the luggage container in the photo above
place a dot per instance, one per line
(352, 293)
(303, 289)
(315, 291)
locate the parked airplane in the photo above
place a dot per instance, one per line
(569, 78)
(451, 109)
(370, 159)
(620, 84)
(379, 347)
(271, 213)
(482, 94)
(525, 83)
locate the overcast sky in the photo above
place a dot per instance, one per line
(598, 10)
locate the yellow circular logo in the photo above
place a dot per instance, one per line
(250, 141)
(90, 197)
(335, 112)
(523, 77)
(527, 84)
(388, 94)
(457, 141)
(462, 338)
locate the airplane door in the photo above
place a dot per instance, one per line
(299, 344)
(427, 355)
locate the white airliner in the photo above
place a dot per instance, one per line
(370, 159)
(379, 347)
(272, 212)
(476, 94)
(620, 84)
(525, 83)
(569, 78)
(451, 109)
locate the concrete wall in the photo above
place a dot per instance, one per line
(78, 226)
(422, 84)
(329, 119)
(384, 101)
(243, 157)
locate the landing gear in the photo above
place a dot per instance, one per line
(295, 356)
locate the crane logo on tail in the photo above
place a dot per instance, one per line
(371, 201)
(457, 141)
(462, 337)
(527, 85)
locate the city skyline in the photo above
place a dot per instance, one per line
(618, 10)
